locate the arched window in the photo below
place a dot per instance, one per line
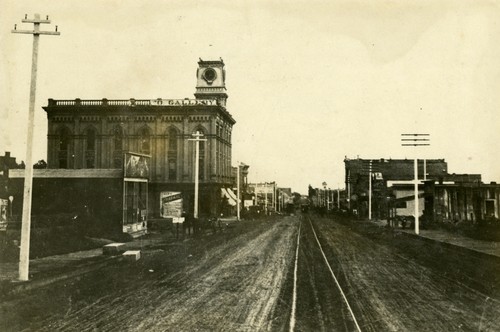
(64, 147)
(90, 135)
(172, 140)
(117, 147)
(91, 138)
(118, 138)
(172, 154)
(144, 141)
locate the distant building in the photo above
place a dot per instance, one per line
(6, 164)
(442, 196)
(285, 199)
(264, 194)
(385, 173)
(462, 201)
(99, 134)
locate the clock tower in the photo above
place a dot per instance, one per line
(211, 81)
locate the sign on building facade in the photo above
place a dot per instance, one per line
(171, 206)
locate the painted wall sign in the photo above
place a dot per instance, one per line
(183, 102)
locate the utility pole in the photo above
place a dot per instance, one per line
(238, 197)
(338, 198)
(370, 191)
(238, 186)
(274, 196)
(425, 170)
(24, 255)
(324, 193)
(349, 191)
(197, 141)
(415, 140)
(266, 198)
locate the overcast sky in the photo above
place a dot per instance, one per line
(309, 82)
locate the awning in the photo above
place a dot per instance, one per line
(230, 200)
(233, 195)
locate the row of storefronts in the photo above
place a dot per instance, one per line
(443, 197)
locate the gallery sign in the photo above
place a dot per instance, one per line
(183, 102)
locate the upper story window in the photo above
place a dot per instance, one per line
(118, 147)
(118, 138)
(144, 141)
(90, 148)
(91, 138)
(64, 139)
(64, 147)
(172, 140)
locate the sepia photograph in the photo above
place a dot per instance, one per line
(323, 165)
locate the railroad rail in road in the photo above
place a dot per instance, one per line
(346, 281)
(294, 273)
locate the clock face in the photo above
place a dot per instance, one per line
(209, 75)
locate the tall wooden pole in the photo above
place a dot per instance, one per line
(197, 141)
(416, 140)
(28, 175)
(415, 169)
(239, 190)
(370, 192)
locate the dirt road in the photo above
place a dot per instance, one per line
(223, 282)
(388, 291)
(244, 280)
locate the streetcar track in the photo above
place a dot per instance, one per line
(294, 298)
(335, 278)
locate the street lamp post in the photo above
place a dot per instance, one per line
(28, 175)
(415, 140)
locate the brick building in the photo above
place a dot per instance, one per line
(386, 174)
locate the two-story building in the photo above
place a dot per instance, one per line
(104, 138)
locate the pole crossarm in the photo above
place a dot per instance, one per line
(197, 138)
(34, 32)
(416, 139)
(36, 23)
(417, 142)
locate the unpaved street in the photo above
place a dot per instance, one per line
(223, 282)
(242, 279)
(387, 289)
